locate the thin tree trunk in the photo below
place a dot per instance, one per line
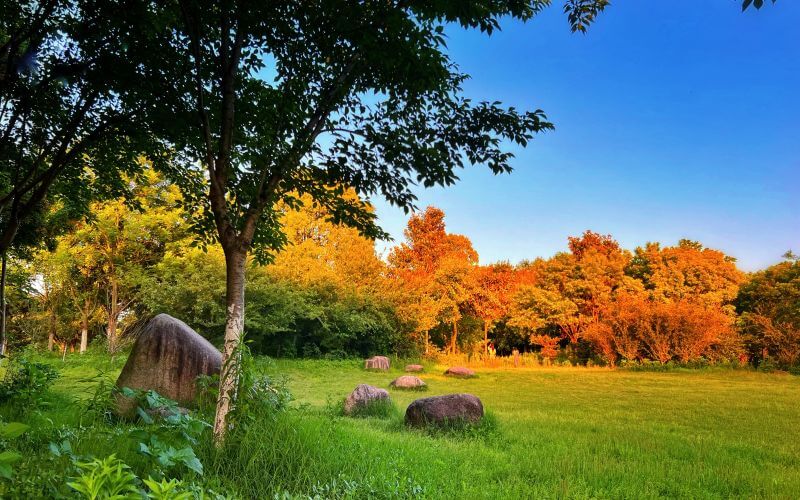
(427, 340)
(51, 337)
(486, 336)
(453, 344)
(234, 326)
(113, 313)
(3, 307)
(84, 330)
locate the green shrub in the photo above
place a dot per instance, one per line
(25, 382)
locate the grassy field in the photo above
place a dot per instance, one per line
(555, 433)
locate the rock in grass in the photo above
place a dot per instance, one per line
(459, 371)
(167, 358)
(408, 382)
(377, 363)
(441, 410)
(363, 396)
(414, 368)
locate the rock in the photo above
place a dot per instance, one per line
(362, 396)
(167, 357)
(459, 371)
(408, 382)
(377, 363)
(438, 410)
(414, 368)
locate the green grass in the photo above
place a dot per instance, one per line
(552, 432)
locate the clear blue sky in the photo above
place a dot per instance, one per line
(673, 119)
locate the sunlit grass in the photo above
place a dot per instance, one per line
(552, 432)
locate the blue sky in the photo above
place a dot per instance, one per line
(673, 119)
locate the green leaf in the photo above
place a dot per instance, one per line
(9, 457)
(6, 471)
(12, 430)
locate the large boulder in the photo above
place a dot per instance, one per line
(439, 410)
(377, 363)
(167, 357)
(408, 382)
(414, 368)
(459, 371)
(363, 396)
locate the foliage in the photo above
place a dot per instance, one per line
(105, 478)
(169, 434)
(636, 327)
(263, 396)
(769, 304)
(25, 382)
(9, 431)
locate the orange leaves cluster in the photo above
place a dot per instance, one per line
(671, 303)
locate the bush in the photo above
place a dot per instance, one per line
(26, 382)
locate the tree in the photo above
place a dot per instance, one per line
(572, 289)
(67, 129)
(437, 267)
(769, 305)
(688, 270)
(373, 103)
(65, 111)
(118, 246)
(491, 297)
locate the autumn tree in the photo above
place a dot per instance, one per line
(687, 271)
(491, 297)
(572, 289)
(437, 267)
(769, 305)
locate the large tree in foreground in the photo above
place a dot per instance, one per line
(271, 100)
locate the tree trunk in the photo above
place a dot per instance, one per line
(486, 337)
(84, 330)
(113, 313)
(427, 341)
(3, 308)
(235, 261)
(51, 336)
(453, 344)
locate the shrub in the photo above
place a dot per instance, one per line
(26, 382)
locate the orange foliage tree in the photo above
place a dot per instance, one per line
(435, 268)
(493, 285)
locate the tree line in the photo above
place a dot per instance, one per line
(330, 294)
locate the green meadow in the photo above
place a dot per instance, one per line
(549, 433)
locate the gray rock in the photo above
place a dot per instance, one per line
(459, 371)
(377, 363)
(408, 382)
(438, 410)
(167, 358)
(362, 396)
